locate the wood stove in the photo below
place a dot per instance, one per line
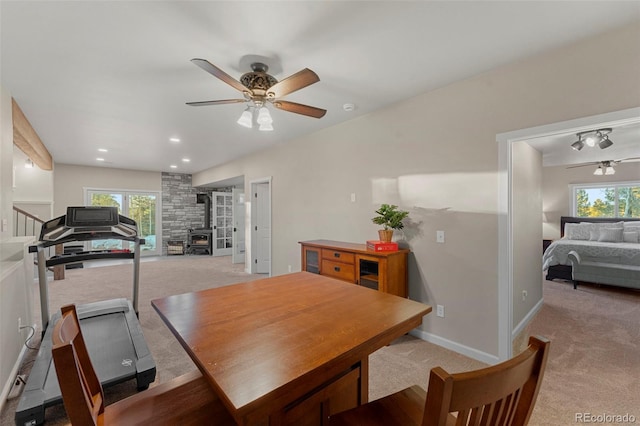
(199, 241)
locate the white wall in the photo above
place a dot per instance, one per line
(436, 155)
(6, 164)
(556, 198)
(70, 181)
(16, 273)
(32, 187)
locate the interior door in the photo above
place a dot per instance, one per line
(223, 223)
(238, 240)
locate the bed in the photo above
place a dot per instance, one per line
(596, 250)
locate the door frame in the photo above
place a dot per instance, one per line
(158, 194)
(506, 331)
(226, 251)
(251, 248)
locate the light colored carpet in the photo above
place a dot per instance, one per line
(594, 333)
(594, 362)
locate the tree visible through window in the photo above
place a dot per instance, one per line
(611, 200)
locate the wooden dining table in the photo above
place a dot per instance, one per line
(291, 349)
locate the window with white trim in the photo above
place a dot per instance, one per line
(612, 199)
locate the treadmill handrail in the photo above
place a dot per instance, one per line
(85, 237)
(88, 255)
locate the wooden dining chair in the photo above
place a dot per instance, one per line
(185, 400)
(500, 395)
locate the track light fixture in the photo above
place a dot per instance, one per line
(592, 138)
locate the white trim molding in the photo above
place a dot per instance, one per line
(454, 346)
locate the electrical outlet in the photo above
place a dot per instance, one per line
(524, 295)
(440, 311)
(353, 197)
(440, 236)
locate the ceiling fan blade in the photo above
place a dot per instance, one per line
(294, 82)
(300, 109)
(626, 159)
(217, 72)
(594, 163)
(220, 102)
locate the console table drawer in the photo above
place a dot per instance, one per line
(339, 270)
(339, 256)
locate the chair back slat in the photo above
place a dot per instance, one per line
(83, 395)
(500, 395)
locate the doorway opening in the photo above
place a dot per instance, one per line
(506, 330)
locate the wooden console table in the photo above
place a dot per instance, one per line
(384, 271)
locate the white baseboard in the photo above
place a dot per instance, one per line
(527, 319)
(456, 347)
(12, 377)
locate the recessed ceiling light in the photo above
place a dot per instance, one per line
(99, 159)
(103, 150)
(174, 139)
(173, 166)
(185, 160)
(348, 107)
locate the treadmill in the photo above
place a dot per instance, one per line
(110, 328)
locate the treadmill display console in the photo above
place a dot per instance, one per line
(92, 216)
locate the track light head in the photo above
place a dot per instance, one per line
(578, 145)
(605, 142)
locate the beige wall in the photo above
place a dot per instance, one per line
(6, 163)
(70, 181)
(557, 198)
(526, 204)
(437, 155)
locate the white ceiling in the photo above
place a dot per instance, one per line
(116, 75)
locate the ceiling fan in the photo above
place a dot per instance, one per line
(604, 167)
(258, 88)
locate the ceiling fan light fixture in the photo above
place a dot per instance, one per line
(264, 117)
(610, 171)
(578, 145)
(605, 142)
(246, 119)
(265, 127)
(598, 171)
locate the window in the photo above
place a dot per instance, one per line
(143, 207)
(620, 199)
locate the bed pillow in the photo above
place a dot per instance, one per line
(577, 231)
(630, 236)
(631, 226)
(610, 235)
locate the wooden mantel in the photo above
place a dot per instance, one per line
(26, 138)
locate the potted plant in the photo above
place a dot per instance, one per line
(390, 218)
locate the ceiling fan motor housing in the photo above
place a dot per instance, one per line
(258, 81)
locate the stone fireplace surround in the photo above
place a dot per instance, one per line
(179, 208)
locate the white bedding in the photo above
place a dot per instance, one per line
(617, 253)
